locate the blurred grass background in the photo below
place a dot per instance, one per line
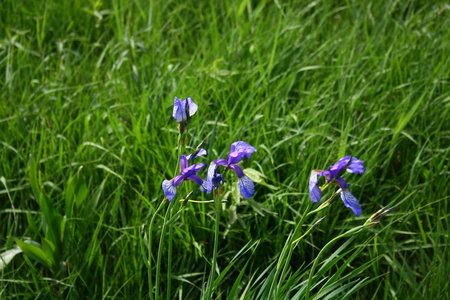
(91, 84)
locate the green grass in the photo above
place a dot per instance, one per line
(86, 132)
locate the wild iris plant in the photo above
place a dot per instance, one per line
(186, 173)
(334, 175)
(182, 112)
(237, 152)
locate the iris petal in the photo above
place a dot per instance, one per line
(192, 106)
(325, 173)
(183, 162)
(201, 152)
(189, 171)
(314, 191)
(238, 150)
(199, 167)
(210, 177)
(237, 169)
(356, 166)
(197, 179)
(217, 180)
(179, 110)
(242, 146)
(177, 180)
(246, 187)
(342, 183)
(220, 162)
(235, 157)
(351, 202)
(169, 189)
(338, 168)
(347, 163)
(203, 187)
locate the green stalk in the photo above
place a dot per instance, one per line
(150, 226)
(171, 209)
(169, 255)
(160, 248)
(324, 204)
(305, 234)
(321, 207)
(217, 206)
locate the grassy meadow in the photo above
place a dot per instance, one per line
(87, 137)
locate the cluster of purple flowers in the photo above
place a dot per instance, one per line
(334, 175)
(182, 111)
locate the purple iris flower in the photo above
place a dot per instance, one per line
(238, 151)
(347, 163)
(314, 191)
(351, 202)
(182, 110)
(187, 173)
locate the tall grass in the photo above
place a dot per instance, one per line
(87, 91)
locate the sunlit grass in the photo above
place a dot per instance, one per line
(87, 90)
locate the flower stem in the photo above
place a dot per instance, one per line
(324, 204)
(170, 210)
(305, 234)
(169, 255)
(150, 230)
(217, 206)
(160, 249)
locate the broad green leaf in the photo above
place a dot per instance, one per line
(258, 177)
(77, 190)
(35, 252)
(49, 249)
(52, 227)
